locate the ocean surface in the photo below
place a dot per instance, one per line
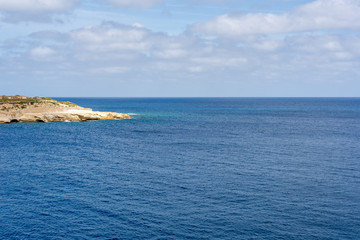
(186, 168)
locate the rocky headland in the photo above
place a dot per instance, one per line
(40, 109)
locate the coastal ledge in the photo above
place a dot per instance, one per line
(40, 109)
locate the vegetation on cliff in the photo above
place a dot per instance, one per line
(13, 104)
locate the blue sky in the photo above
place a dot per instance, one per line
(180, 48)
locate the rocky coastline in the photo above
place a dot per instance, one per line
(49, 110)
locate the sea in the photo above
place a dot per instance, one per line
(186, 168)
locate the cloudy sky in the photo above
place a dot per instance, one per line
(180, 48)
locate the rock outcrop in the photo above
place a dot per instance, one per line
(49, 110)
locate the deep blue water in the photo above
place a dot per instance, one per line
(233, 168)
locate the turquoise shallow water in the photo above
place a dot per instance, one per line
(206, 168)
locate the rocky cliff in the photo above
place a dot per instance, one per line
(50, 110)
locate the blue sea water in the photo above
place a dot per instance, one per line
(186, 168)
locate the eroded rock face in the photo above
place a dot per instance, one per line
(52, 111)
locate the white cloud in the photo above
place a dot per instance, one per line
(219, 61)
(195, 69)
(167, 47)
(120, 49)
(170, 53)
(36, 6)
(133, 54)
(109, 38)
(328, 48)
(267, 45)
(135, 3)
(110, 70)
(318, 15)
(115, 41)
(43, 54)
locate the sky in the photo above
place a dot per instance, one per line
(180, 48)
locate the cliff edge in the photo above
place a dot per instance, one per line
(40, 109)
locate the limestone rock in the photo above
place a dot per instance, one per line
(52, 111)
